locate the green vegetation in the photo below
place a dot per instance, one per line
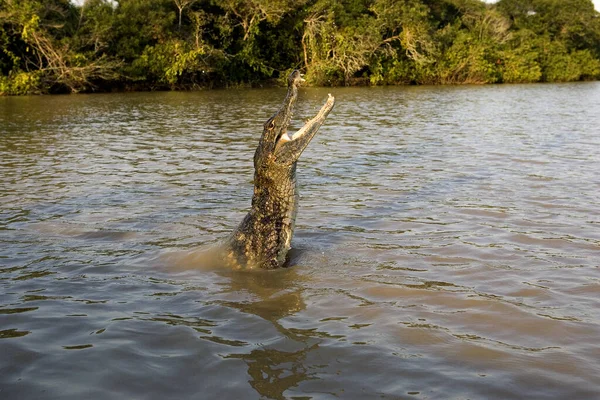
(56, 46)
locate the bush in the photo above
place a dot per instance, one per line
(520, 66)
(20, 83)
(559, 65)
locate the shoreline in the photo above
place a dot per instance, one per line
(269, 83)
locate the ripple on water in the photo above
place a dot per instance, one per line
(446, 247)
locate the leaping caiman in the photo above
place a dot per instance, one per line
(263, 238)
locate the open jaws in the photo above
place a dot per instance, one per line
(312, 125)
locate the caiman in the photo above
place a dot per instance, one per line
(263, 238)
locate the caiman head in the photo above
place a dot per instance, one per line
(279, 149)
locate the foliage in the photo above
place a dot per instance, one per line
(560, 65)
(37, 37)
(59, 46)
(19, 82)
(520, 63)
(174, 61)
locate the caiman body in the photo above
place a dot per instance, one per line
(263, 238)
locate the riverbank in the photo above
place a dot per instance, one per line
(268, 83)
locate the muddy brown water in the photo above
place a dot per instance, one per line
(447, 247)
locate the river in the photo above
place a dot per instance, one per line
(447, 246)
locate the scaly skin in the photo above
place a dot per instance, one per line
(263, 238)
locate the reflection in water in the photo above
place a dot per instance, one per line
(277, 293)
(446, 247)
(270, 295)
(273, 372)
(274, 294)
(12, 333)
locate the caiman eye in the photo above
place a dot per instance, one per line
(270, 124)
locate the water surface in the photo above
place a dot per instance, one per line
(447, 246)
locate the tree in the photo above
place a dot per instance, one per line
(340, 40)
(181, 5)
(49, 57)
(250, 13)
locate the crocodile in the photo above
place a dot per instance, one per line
(263, 238)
